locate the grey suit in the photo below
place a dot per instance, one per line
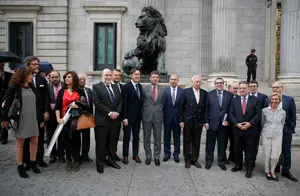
(153, 119)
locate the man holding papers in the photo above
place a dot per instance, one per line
(218, 103)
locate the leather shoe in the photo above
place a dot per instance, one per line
(235, 169)
(166, 158)
(4, 142)
(176, 159)
(148, 161)
(117, 158)
(223, 167)
(196, 164)
(137, 159)
(208, 165)
(268, 176)
(125, 160)
(227, 162)
(275, 178)
(42, 164)
(116, 166)
(187, 164)
(100, 170)
(52, 160)
(157, 162)
(248, 174)
(290, 177)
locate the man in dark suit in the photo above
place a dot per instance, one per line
(4, 82)
(116, 79)
(171, 118)
(264, 102)
(85, 133)
(154, 100)
(192, 118)
(233, 88)
(216, 112)
(289, 106)
(251, 62)
(108, 105)
(53, 88)
(245, 114)
(132, 97)
(41, 85)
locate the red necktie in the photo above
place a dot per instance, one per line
(244, 105)
(154, 93)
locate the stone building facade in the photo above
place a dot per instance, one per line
(204, 36)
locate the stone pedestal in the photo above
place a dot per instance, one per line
(223, 41)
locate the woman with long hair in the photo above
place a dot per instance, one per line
(273, 119)
(71, 96)
(29, 121)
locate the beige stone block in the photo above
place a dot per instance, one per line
(49, 24)
(54, 59)
(48, 38)
(50, 17)
(52, 45)
(55, 10)
(52, 52)
(41, 31)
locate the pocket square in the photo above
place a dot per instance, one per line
(41, 85)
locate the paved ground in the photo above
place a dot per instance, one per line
(138, 179)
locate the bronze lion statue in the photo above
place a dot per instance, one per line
(151, 43)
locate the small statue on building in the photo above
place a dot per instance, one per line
(149, 54)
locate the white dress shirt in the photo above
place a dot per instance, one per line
(197, 95)
(242, 99)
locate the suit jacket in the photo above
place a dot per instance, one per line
(132, 105)
(189, 111)
(153, 111)
(214, 113)
(4, 83)
(103, 104)
(51, 93)
(263, 100)
(289, 106)
(252, 115)
(90, 98)
(171, 112)
(42, 88)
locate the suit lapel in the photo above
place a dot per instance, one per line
(239, 105)
(102, 85)
(177, 95)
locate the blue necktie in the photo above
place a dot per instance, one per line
(111, 94)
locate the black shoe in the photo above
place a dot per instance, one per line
(208, 165)
(275, 178)
(290, 177)
(248, 174)
(166, 158)
(62, 160)
(52, 159)
(117, 158)
(176, 159)
(235, 169)
(157, 162)
(277, 169)
(125, 160)
(196, 164)
(148, 161)
(4, 142)
(137, 159)
(27, 167)
(116, 166)
(22, 171)
(100, 169)
(187, 164)
(223, 167)
(227, 162)
(34, 167)
(42, 164)
(268, 177)
(86, 159)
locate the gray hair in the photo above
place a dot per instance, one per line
(28, 60)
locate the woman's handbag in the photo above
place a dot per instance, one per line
(85, 121)
(14, 110)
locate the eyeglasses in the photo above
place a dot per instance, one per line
(34, 64)
(254, 86)
(276, 86)
(219, 83)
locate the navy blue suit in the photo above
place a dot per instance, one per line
(171, 122)
(214, 116)
(288, 105)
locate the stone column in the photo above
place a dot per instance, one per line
(290, 42)
(223, 40)
(157, 4)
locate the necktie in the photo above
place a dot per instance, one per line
(87, 96)
(244, 105)
(154, 93)
(197, 96)
(220, 97)
(56, 92)
(111, 94)
(137, 90)
(173, 96)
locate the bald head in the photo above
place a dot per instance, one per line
(196, 82)
(106, 76)
(233, 88)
